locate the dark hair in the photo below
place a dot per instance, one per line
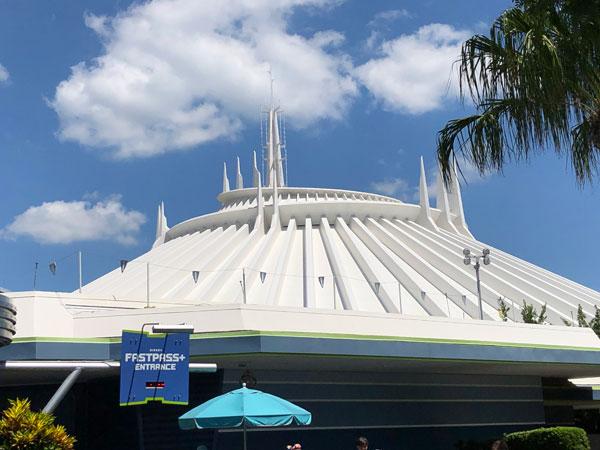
(362, 441)
(499, 445)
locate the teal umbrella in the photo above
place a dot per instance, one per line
(244, 407)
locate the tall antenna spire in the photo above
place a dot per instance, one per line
(274, 161)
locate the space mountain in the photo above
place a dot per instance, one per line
(356, 306)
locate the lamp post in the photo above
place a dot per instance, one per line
(485, 256)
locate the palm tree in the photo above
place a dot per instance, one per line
(535, 83)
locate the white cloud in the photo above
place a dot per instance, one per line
(414, 72)
(4, 75)
(390, 15)
(396, 187)
(63, 222)
(178, 73)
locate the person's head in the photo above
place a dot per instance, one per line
(362, 443)
(499, 445)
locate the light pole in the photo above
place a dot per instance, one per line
(468, 256)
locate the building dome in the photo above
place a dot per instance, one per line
(277, 245)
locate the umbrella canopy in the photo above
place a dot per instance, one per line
(247, 407)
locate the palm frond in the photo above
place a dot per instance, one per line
(534, 82)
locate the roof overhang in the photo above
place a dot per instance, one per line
(292, 339)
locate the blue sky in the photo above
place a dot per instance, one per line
(108, 108)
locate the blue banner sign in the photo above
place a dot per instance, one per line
(154, 367)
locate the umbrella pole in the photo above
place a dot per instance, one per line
(244, 434)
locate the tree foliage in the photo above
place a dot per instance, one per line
(23, 429)
(582, 321)
(535, 83)
(504, 309)
(530, 315)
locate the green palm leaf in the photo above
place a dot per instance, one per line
(535, 85)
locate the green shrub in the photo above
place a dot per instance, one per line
(23, 429)
(556, 438)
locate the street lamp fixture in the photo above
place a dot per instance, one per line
(485, 257)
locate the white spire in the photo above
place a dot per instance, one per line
(161, 225)
(277, 151)
(274, 146)
(275, 197)
(225, 180)
(259, 195)
(441, 202)
(255, 173)
(456, 205)
(424, 217)
(239, 181)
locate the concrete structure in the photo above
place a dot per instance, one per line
(355, 305)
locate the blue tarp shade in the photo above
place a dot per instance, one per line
(255, 408)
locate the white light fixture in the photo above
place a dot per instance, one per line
(179, 328)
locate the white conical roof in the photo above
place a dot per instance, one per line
(336, 249)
